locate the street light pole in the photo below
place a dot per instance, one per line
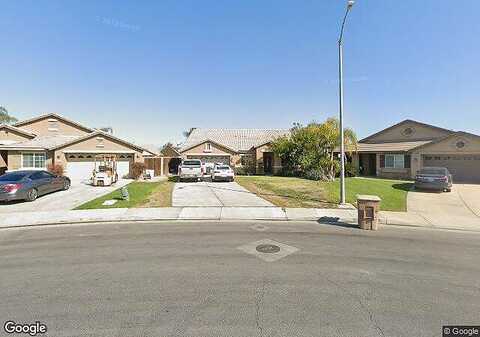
(340, 89)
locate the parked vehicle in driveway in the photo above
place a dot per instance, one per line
(30, 184)
(222, 172)
(434, 178)
(190, 169)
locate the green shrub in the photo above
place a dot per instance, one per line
(244, 170)
(137, 170)
(350, 170)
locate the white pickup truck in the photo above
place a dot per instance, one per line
(190, 169)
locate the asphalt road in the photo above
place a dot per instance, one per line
(190, 279)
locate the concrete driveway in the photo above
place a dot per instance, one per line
(78, 194)
(215, 194)
(460, 207)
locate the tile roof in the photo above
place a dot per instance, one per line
(236, 139)
(45, 142)
(390, 147)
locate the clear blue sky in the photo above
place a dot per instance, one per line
(152, 69)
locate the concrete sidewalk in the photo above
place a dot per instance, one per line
(331, 216)
(346, 216)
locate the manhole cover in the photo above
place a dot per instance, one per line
(267, 248)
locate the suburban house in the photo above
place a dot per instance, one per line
(401, 150)
(239, 148)
(52, 139)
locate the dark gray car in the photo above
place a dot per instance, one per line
(30, 184)
(434, 178)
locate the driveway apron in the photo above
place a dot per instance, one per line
(459, 207)
(209, 194)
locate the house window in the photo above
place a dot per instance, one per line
(208, 147)
(394, 161)
(33, 160)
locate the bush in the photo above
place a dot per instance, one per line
(56, 169)
(288, 172)
(315, 174)
(350, 170)
(137, 170)
(244, 170)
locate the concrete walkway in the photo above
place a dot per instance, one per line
(341, 217)
(215, 194)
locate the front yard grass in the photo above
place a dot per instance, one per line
(142, 194)
(298, 192)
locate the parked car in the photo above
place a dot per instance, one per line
(222, 172)
(190, 169)
(30, 184)
(434, 178)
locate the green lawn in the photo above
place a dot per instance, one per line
(142, 194)
(298, 192)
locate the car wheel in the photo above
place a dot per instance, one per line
(66, 185)
(32, 194)
(448, 190)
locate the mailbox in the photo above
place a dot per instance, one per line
(368, 207)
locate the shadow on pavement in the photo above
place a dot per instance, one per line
(335, 221)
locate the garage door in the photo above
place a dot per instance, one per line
(212, 159)
(79, 168)
(464, 168)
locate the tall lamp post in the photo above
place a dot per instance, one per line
(340, 76)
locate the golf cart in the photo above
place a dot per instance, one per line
(105, 171)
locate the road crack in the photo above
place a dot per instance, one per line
(259, 309)
(371, 317)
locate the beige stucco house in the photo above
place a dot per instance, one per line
(247, 148)
(53, 139)
(402, 149)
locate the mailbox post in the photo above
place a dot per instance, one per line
(368, 207)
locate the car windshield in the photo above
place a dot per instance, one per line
(191, 163)
(439, 171)
(13, 176)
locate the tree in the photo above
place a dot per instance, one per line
(5, 118)
(310, 150)
(187, 133)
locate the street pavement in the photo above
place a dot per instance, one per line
(204, 279)
(215, 194)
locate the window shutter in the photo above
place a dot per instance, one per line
(407, 161)
(382, 160)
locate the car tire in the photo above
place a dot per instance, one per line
(448, 190)
(66, 185)
(32, 195)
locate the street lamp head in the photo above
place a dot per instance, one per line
(350, 4)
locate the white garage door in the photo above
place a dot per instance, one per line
(81, 171)
(123, 169)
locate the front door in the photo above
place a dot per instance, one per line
(268, 162)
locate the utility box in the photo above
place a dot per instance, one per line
(368, 207)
